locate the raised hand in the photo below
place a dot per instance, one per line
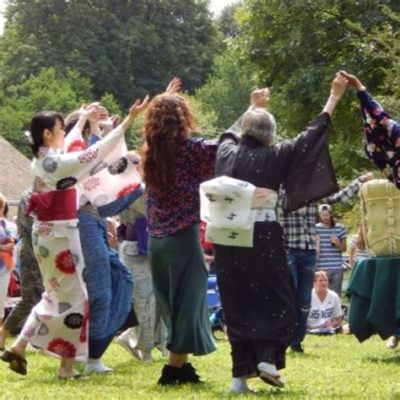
(352, 79)
(338, 86)
(366, 177)
(91, 112)
(174, 86)
(259, 97)
(138, 106)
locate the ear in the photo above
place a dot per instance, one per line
(47, 134)
(47, 137)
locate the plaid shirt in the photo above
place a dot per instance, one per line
(299, 226)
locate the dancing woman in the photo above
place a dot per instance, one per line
(59, 322)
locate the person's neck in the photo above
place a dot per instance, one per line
(321, 294)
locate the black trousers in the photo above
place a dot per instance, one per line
(246, 355)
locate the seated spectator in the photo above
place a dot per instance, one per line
(326, 311)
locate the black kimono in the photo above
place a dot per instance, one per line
(255, 284)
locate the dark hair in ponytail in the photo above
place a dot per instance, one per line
(41, 121)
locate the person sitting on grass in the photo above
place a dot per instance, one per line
(326, 311)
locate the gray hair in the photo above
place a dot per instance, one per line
(259, 124)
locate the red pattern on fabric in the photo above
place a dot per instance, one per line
(65, 262)
(76, 145)
(29, 331)
(44, 229)
(91, 183)
(62, 347)
(127, 189)
(88, 156)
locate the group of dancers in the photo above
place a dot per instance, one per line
(79, 178)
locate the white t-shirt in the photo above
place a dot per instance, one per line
(323, 312)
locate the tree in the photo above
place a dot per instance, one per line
(226, 92)
(125, 47)
(46, 91)
(299, 45)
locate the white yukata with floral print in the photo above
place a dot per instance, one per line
(59, 322)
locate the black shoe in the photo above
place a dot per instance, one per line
(170, 375)
(189, 374)
(297, 348)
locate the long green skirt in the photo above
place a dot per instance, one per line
(180, 286)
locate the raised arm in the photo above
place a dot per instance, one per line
(350, 191)
(370, 108)
(79, 164)
(338, 87)
(137, 107)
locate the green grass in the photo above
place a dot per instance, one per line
(336, 367)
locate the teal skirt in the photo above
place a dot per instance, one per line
(180, 287)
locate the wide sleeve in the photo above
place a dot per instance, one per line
(309, 170)
(78, 165)
(381, 132)
(74, 141)
(226, 154)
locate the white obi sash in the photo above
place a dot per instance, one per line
(230, 207)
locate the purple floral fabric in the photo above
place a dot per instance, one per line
(178, 208)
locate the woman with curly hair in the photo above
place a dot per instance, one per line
(174, 166)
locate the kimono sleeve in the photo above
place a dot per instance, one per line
(78, 165)
(74, 141)
(226, 154)
(310, 175)
(377, 122)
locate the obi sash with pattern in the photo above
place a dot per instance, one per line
(230, 207)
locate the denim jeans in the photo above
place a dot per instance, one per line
(302, 264)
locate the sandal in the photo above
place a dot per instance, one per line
(16, 362)
(272, 379)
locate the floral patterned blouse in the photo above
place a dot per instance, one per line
(179, 208)
(382, 137)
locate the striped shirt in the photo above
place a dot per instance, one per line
(330, 257)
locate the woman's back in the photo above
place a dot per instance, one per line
(177, 208)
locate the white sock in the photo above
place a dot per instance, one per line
(239, 385)
(268, 368)
(96, 365)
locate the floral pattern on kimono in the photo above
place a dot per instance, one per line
(381, 137)
(59, 322)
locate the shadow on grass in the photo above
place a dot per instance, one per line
(394, 359)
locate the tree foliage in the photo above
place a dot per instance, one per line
(295, 47)
(125, 47)
(46, 91)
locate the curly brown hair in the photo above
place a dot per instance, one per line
(167, 123)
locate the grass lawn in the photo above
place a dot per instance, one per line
(336, 367)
